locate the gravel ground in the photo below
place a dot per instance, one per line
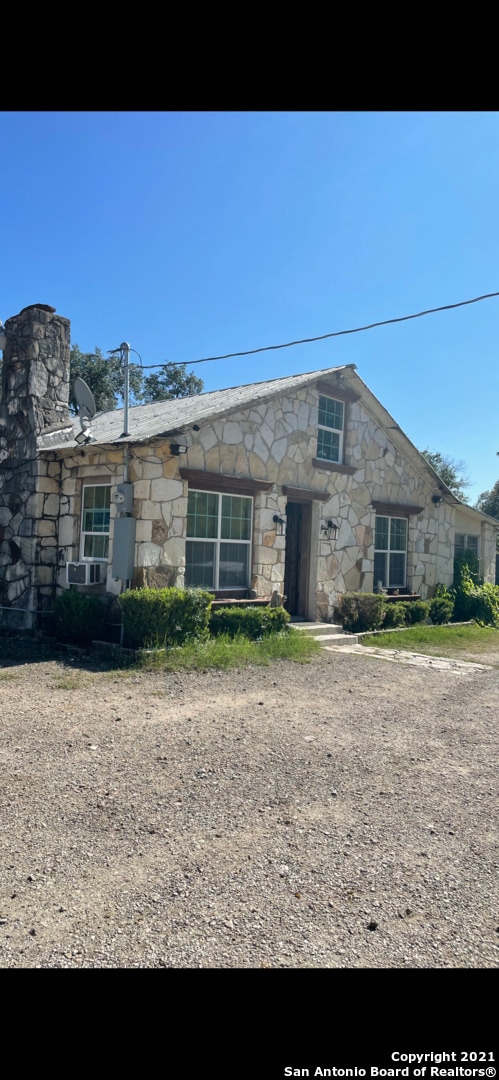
(337, 814)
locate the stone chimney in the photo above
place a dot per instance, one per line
(34, 403)
(35, 376)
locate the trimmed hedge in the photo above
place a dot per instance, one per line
(441, 610)
(161, 617)
(359, 612)
(395, 615)
(78, 617)
(253, 623)
(416, 611)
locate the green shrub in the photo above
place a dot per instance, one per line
(483, 604)
(164, 616)
(78, 617)
(416, 611)
(394, 615)
(440, 610)
(359, 612)
(253, 623)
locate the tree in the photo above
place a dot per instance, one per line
(450, 471)
(172, 381)
(488, 501)
(104, 376)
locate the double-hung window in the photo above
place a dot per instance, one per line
(218, 543)
(330, 429)
(390, 552)
(466, 542)
(95, 514)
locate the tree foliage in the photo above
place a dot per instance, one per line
(453, 473)
(104, 376)
(488, 501)
(173, 381)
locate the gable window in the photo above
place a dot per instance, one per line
(330, 429)
(466, 542)
(218, 540)
(390, 552)
(96, 508)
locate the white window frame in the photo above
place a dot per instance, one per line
(337, 431)
(392, 551)
(465, 536)
(218, 540)
(83, 534)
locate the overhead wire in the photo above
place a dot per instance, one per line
(323, 337)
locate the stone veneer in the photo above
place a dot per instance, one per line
(276, 442)
(34, 403)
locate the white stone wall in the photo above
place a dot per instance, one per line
(277, 442)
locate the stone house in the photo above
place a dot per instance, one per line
(303, 485)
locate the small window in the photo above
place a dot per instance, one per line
(390, 552)
(95, 517)
(330, 429)
(466, 542)
(218, 540)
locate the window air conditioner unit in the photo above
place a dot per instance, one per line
(85, 573)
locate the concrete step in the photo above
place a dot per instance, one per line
(327, 633)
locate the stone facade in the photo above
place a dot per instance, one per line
(266, 448)
(276, 442)
(34, 403)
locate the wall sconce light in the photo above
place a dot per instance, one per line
(177, 448)
(436, 500)
(279, 523)
(330, 528)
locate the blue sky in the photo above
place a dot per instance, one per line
(193, 234)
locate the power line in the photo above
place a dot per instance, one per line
(322, 337)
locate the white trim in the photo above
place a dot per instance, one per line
(391, 551)
(83, 534)
(337, 431)
(218, 540)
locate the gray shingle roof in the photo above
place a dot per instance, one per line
(165, 417)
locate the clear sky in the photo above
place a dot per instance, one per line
(193, 234)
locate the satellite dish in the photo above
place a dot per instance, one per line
(85, 400)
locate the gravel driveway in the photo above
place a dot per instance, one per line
(337, 814)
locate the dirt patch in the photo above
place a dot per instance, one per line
(265, 817)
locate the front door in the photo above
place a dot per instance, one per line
(298, 522)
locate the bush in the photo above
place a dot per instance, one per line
(440, 610)
(253, 623)
(416, 611)
(482, 604)
(78, 617)
(359, 612)
(394, 615)
(164, 616)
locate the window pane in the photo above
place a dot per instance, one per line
(397, 570)
(96, 547)
(328, 445)
(331, 413)
(460, 542)
(236, 518)
(202, 514)
(381, 534)
(233, 566)
(200, 565)
(380, 569)
(472, 544)
(398, 534)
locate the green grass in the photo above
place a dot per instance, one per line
(4, 675)
(70, 682)
(441, 640)
(224, 652)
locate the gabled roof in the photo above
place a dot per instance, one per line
(166, 417)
